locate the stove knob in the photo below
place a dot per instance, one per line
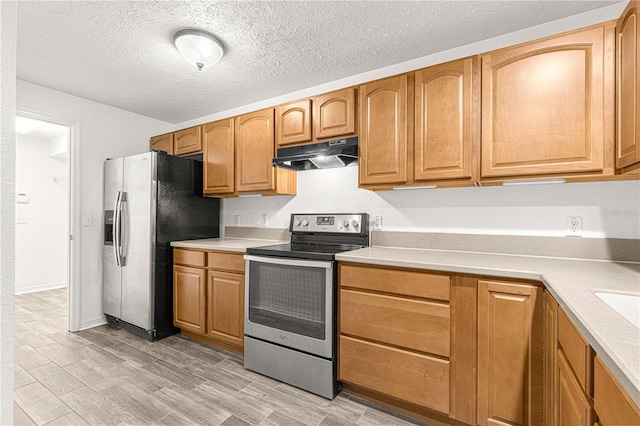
(297, 222)
(355, 223)
(345, 223)
(305, 222)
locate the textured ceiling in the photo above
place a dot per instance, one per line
(120, 53)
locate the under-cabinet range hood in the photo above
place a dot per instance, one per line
(322, 155)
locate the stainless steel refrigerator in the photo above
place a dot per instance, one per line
(150, 200)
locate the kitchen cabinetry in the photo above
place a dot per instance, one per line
(547, 106)
(390, 334)
(163, 143)
(578, 386)
(293, 123)
(510, 357)
(334, 114)
(187, 141)
(255, 149)
(628, 88)
(209, 297)
(447, 126)
(383, 139)
(218, 154)
(421, 129)
(329, 115)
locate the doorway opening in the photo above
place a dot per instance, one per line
(44, 225)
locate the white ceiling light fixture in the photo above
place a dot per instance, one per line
(198, 47)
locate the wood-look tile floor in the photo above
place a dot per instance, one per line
(108, 376)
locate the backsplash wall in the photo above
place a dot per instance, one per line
(608, 209)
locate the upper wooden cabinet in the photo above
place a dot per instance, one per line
(547, 106)
(334, 114)
(329, 115)
(187, 141)
(383, 131)
(255, 149)
(446, 129)
(628, 87)
(293, 123)
(163, 143)
(218, 143)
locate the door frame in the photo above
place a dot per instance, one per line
(73, 206)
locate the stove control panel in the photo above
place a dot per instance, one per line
(355, 223)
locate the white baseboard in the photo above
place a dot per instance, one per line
(44, 287)
(93, 323)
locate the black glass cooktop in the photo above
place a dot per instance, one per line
(303, 250)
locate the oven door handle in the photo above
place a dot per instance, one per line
(289, 262)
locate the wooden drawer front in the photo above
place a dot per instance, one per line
(577, 351)
(188, 257)
(226, 261)
(612, 404)
(408, 376)
(413, 324)
(409, 283)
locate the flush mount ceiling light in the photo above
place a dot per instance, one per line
(198, 47)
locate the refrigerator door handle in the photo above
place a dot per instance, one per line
(124, 229)
(116, 228)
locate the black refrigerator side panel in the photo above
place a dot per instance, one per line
(182, 213)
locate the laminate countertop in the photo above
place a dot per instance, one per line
(239, 245)
(572, 282)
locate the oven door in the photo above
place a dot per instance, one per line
(289, 302)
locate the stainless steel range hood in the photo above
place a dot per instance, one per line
(322, 155)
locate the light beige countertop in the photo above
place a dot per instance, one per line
(225, 244)
(572, 282)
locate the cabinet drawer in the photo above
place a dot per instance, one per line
(396, 281)
(413, 324)
(226, 261)
(408, 376)
(612, 404)
(577, 351)
(188, 257)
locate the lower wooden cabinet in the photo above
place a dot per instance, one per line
(225, 299)
(208, 289)
(510, 353)
(445, 348)
(573, 406)
(189, 298)
(579, 388)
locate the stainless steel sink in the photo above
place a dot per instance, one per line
(627, 305)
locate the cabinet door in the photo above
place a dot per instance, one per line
(188, 141)
(628, 87)
(510, 381)
(218, 157)
(612, 403)
(225, 304)
(550, 360)
(573, 406)
(383, 131)
(255, 151)
(163, 143)
(293, 123)
(545, 105)
(445, 133)
(334, 114)
(189, 299)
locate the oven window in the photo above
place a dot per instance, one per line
(289, 298)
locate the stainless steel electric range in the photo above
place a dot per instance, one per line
(290, 301)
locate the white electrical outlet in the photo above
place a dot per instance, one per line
(574, 226)
(377, 221)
